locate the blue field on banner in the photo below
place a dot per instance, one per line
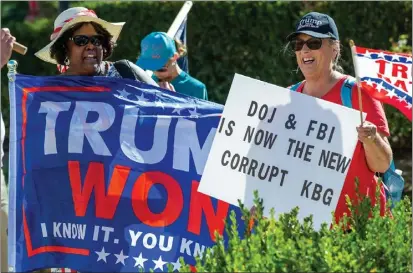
(104, 175)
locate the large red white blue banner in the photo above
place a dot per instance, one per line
(387, 76)
(104, 175)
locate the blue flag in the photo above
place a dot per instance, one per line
(181, 35)
(104, 175)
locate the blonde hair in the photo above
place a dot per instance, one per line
(336, 66)
(180, 47)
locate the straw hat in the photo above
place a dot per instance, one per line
(70, 17)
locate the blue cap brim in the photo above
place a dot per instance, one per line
(311, 33)
(151, 64)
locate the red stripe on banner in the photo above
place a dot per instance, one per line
(62, 249)
(67, 89)
(362, 50)
(24, 122)
(381, 96)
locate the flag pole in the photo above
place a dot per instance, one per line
(179, 19)
(11, 74)
(353, 54)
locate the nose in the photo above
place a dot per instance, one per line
(90, 46)
(305, 48)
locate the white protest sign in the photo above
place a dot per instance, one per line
(293, 148)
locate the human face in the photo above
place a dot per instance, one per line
(314, 63)
(167, 72)
(84, 59)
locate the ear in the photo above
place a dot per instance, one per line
(175, 56)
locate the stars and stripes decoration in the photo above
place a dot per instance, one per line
(148, 98)
(386, 76)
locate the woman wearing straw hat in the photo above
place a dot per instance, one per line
(81, 42)
(79, 45)
(317, 50)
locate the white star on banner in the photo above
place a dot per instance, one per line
(102, 255)
(401, 99)
(193, 112)
(123, 93)
(379, 87)
(409, 106)
(177, 109)
(381, 55)
(177, 265)
(141, 98)
(159, 263)
(139, 261)
(369, 82)
(159, 103)
(391, 93)
(395, 57)
(367, 54)
(120, 258)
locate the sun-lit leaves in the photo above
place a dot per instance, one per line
(375, 244)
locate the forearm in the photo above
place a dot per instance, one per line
(378, 153)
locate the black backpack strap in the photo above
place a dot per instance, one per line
(129, 70)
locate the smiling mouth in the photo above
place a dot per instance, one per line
(308, 60)
(90, 57)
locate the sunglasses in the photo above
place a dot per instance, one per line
(82, 40)
(312, 43)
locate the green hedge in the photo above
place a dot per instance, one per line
(378, 244)
(228, 37)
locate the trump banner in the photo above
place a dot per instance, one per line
(386, 76)
(104, 175)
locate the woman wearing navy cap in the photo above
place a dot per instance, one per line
(317, 49)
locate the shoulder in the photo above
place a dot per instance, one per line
(188, 81)
(195, 81)
(129, 70)
(188, 85)
(296, 86)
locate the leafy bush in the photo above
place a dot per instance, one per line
(376, 244)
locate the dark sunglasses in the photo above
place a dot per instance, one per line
(82, 40)
(312, 43)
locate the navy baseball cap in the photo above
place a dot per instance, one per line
(156, 49)
(317, 25)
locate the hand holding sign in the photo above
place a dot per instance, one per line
(288, 146)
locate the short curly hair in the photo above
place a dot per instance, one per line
(58, 50)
